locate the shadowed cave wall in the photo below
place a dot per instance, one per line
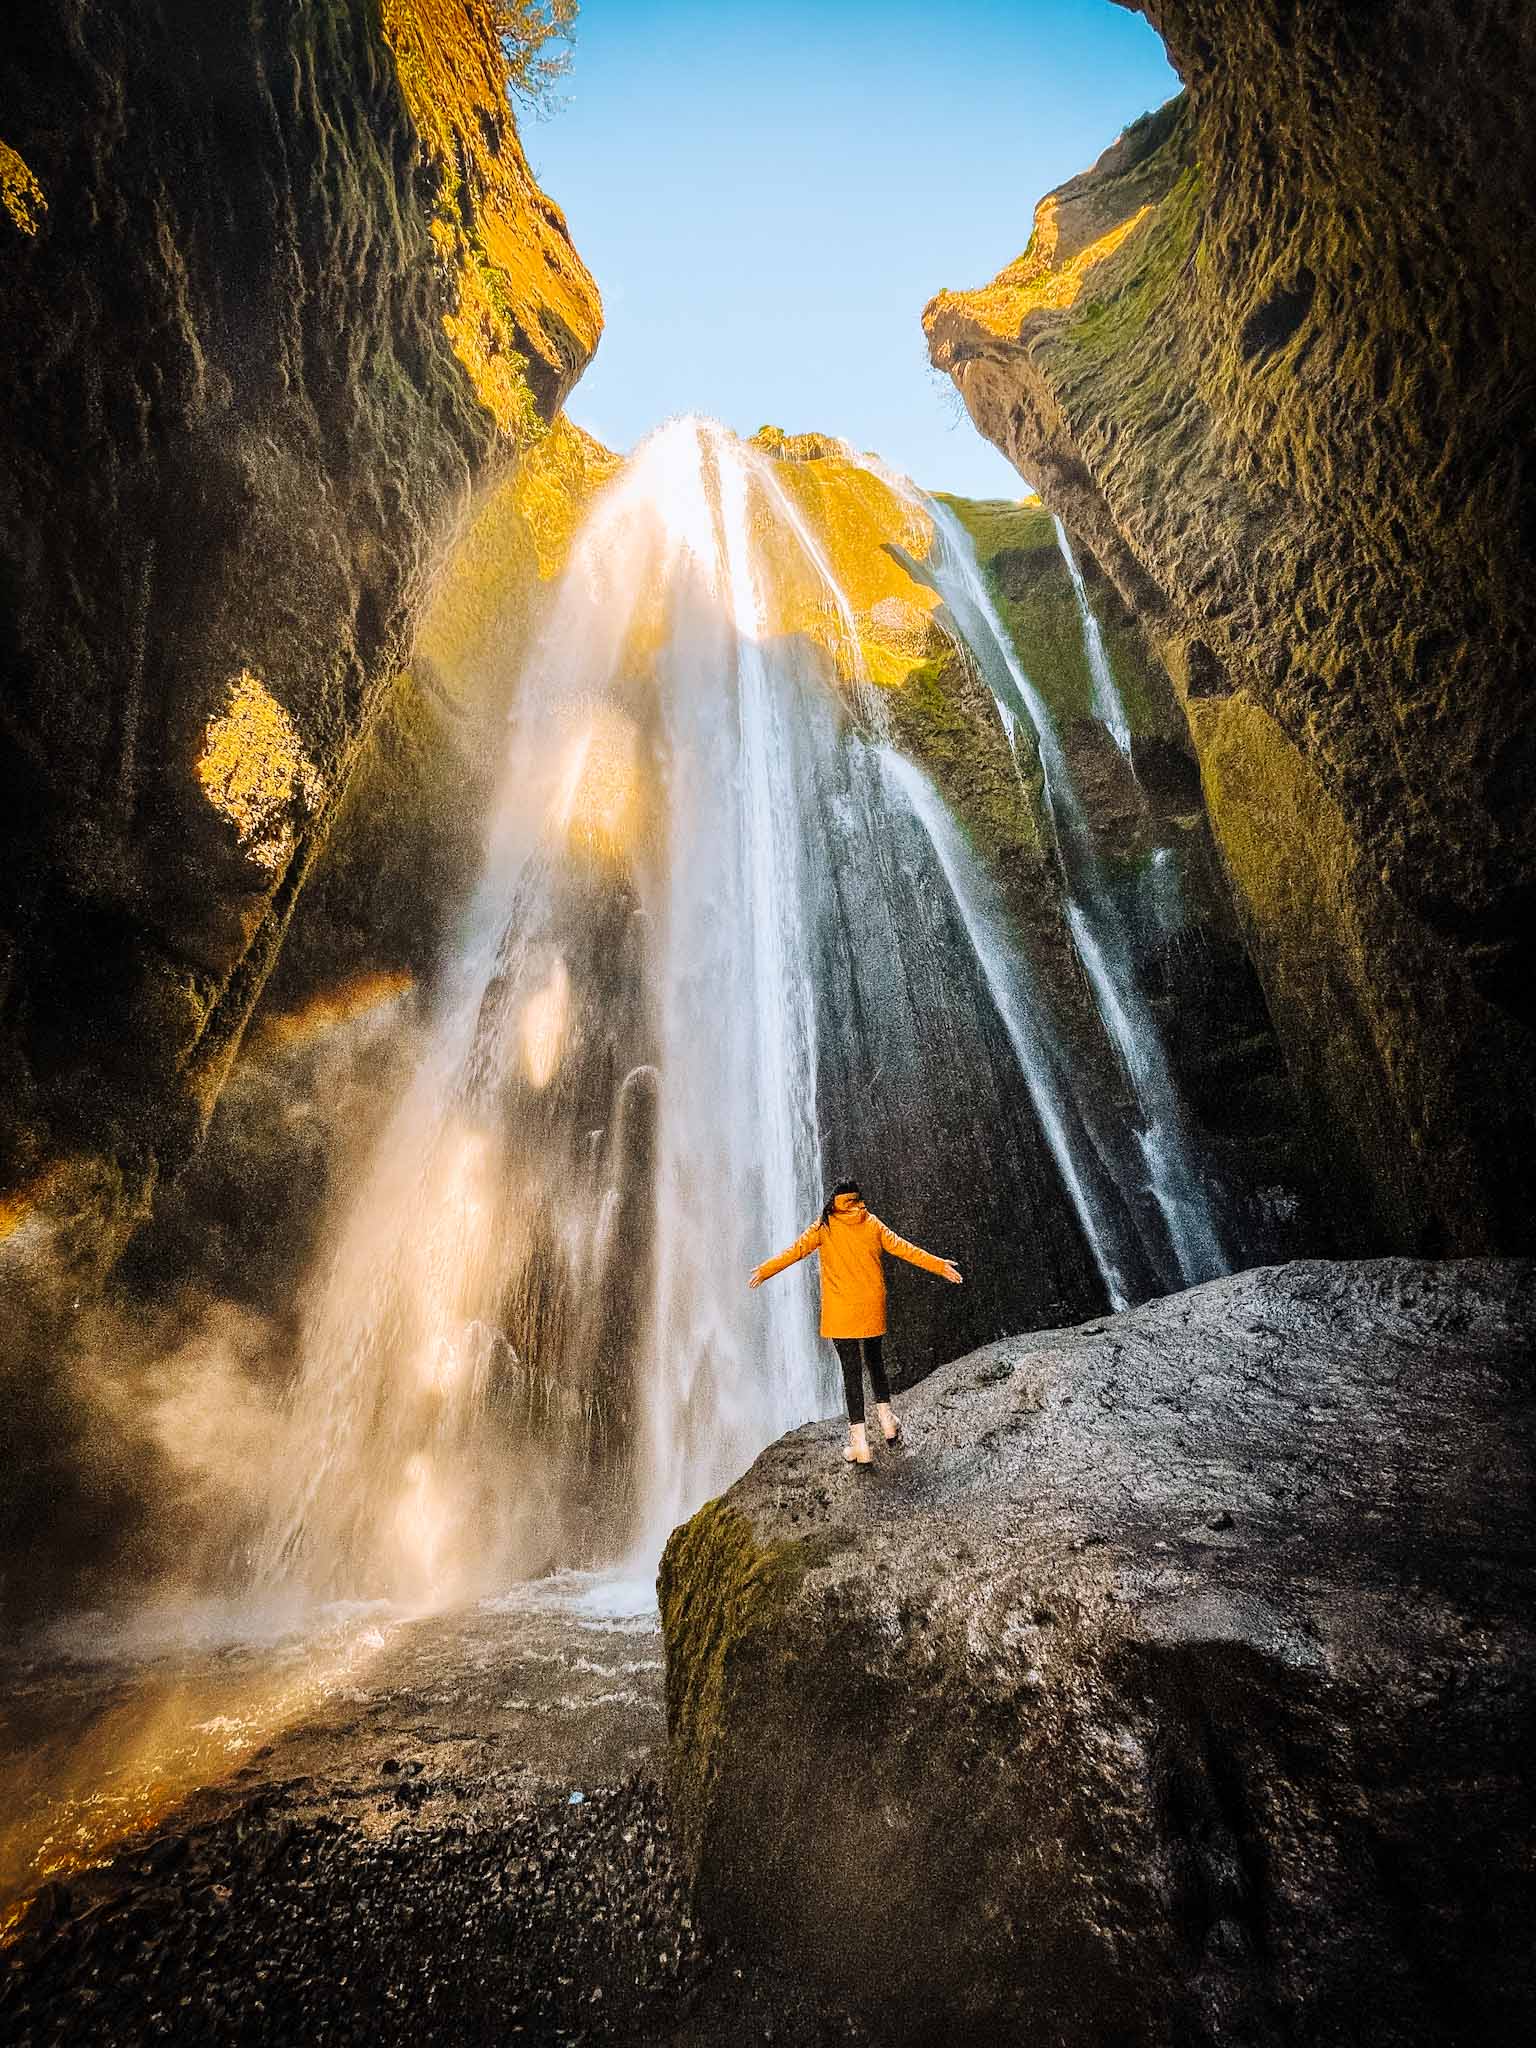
(280, 288)
(280, 293)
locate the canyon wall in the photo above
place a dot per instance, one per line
(283, 303)
(280, 290)
(141, 1436)
(1270, 361)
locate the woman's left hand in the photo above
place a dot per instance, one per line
(756, 1280)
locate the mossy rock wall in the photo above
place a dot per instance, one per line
(1147, 816)
(1144, 808)
(279, 290)
(282, 303)
(1268, 359)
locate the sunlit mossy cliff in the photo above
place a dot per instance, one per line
(280, 291)
(1268, 359)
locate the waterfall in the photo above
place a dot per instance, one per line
(1043, 1060)
(1182, 1235)
(1107, 707)
(717, 931)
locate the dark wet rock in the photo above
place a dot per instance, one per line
(1172, 1685)
(527, 1888)
(535, 1921)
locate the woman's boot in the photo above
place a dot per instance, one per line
(858, 1451)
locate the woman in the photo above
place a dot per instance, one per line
(851, 1242)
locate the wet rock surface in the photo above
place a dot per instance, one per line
(1171, 1683)
(469, 1842)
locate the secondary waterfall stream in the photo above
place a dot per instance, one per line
(1107, 707)
(1182, 1244)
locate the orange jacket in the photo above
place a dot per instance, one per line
(852, 1276)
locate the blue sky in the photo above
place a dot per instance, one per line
(769, 194)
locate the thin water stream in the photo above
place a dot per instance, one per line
(1183, 1241)
(1107, 707)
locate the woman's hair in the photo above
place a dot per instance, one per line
(844, 1187)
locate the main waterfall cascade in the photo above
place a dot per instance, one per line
(724, 935)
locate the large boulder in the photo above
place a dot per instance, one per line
(1270, 359)
(1173, 1684)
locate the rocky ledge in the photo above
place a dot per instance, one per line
(1172, 1684)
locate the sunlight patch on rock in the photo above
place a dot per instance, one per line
(254, 770)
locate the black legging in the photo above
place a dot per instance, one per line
(853, 1364)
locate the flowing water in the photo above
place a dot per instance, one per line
(1181, 1232)
(1044, 1061)
(532, 1344)
(1107, 707)
(726, 942)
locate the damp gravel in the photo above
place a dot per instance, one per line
(468, 1842)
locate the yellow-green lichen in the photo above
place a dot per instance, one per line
(1019, 556)
(1128, 293)
(518, 284)
(946, 720)
(20, 193)
(722, 1595)
(515, 542)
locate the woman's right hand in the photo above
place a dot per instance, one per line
(952, 1273)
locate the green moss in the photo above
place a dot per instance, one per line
(945, 720)
(722, 1596)
(1132, 291)
(1289, 851)
(1028, 581)
(1019, 557)
(996, 524)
